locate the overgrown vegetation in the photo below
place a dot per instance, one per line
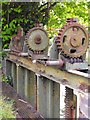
(62, 11)
(7, 79)
(24, 14)
(51, 14)
(6, 109)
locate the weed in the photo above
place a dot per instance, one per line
(6, 109)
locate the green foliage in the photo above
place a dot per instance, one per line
(64, 10)
(7, 79)
(3, 54)
(24, 14)
(89, 15)
(6, 110)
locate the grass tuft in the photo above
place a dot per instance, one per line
(6, 109)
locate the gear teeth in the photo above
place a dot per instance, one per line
(28, 45)
(75, 60)
(26, 40)
(27, 37)
(29, 57)
(65, 26)
(70, 23)
(59, 40)
(60, 33)
(66, 55)
(58, 43)
(59, 48)
(59, 37)
(62, 30)
(71, 61)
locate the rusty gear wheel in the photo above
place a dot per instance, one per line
(72, 40)
(37, 39)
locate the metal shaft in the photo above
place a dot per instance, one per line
(6, 50)
(24, 54)
(58, 62)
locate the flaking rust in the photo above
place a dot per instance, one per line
(67, 53)
(69, 46)
(65, 82)
(84, 87)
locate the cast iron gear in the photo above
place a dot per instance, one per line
(37, 39)
(72, 39)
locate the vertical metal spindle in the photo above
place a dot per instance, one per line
(68, 100)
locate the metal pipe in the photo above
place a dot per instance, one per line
(6, 50)
(23, 54)
(58, 62)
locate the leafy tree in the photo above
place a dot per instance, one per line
(24, 14)
(62, 11)
(52, 14)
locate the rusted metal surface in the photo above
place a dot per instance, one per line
(17, 42)
(72, 40)
(70, 46)
(6, 50)
(22, 107)
(38, 76)
(41, 91)
(59, 63)
(68, 103)
(37, 39)
(23, 54)
(72, 80)
(37, 42)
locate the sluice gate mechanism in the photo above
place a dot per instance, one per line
(39, 76)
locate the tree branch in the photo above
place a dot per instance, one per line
(52, 5)
(43, 5)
